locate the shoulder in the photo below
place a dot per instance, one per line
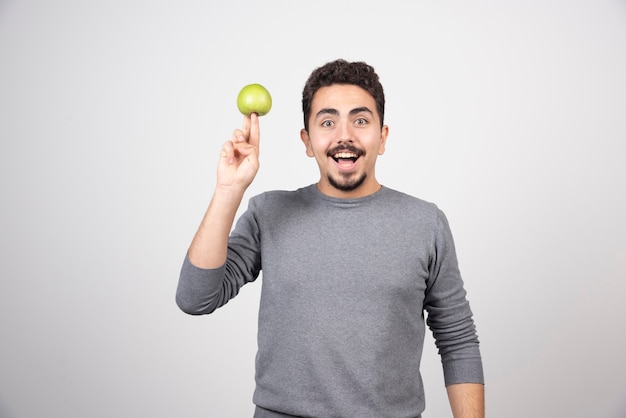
(403, 201)
(281, 199)
(412, 210)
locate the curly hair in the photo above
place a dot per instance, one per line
(343, 72)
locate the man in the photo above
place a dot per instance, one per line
(349, 267)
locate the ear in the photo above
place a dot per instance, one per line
(304, 136)
(383, 139)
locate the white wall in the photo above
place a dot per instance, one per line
(510, 115)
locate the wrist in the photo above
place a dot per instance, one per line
(229, 193)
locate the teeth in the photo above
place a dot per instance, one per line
(345, 155)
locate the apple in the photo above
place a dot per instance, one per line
(254, 98)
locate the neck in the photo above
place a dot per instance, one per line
(361, 191)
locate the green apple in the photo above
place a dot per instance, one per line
(254, 98)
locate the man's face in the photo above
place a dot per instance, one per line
(345, 138)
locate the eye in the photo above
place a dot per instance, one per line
(327, 123)
(360, 121)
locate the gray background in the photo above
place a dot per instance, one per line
(509, 115)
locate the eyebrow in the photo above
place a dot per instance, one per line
(335, 112)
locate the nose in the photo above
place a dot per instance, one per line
(345, 133)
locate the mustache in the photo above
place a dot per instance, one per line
(344, 148)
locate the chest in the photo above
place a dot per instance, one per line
(347, 255)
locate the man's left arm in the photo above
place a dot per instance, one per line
(467, 400)
(451, 321)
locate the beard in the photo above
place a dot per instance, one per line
(347, 182)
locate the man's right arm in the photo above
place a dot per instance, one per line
(237, 167)
(201, 286)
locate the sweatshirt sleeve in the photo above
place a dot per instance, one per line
(202, 291)
(449, 314)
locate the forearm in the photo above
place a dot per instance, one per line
(209, 246)
(467, 400)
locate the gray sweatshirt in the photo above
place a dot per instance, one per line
(345, 287)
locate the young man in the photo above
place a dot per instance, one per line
(349, 268)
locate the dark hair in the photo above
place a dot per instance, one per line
(343, 72)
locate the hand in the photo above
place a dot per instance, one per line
(239, 159)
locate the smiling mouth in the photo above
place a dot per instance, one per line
(345, 154)
(345, 157)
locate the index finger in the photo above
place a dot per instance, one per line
(246, 127)
(254, 132)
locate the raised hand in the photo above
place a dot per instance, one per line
(239, 158)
